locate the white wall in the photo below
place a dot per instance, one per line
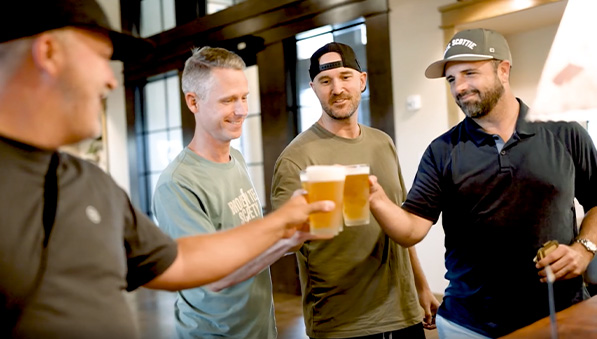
(118, 166)
(416, 41)
(529, 52)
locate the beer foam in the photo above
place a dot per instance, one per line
(357, 169)
(325, 173)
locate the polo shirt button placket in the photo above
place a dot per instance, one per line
(504, 162)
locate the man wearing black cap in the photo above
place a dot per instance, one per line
(70, 241)
(504, 187)
(359, 284)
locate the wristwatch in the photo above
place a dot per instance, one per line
(588, 245)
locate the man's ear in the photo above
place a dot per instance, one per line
(504, 70)
(192, 102)
(363, 78)
(48, 53)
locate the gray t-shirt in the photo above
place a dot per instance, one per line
(193, 196)
(99, 247)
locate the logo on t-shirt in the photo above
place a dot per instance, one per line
(246, 205)
(93, 214)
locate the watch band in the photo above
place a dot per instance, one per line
(587, 244)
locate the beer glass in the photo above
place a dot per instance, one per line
(303, 176)
(356, 195)
(326, 183)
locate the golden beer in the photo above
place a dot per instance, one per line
(326, 183)
(356, 195)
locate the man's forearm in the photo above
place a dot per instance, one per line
(205, 258)
(404, 228)
(255, 266)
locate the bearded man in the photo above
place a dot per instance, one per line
(504, 187)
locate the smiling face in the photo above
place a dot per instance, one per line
(221, 112)
(84, 81)
(338, 89)
(476, 86)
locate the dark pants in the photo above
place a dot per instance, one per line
(412, 332)
(592, 288)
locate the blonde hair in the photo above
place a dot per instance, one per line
(196, 76)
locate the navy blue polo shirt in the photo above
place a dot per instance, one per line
(498, 208)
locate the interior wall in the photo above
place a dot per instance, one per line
(414, 45)
(529, 52)
(118, 166)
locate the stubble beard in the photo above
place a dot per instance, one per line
(352, 108)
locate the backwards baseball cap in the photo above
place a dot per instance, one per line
(19, 19)
(471, 45)
(348, 59)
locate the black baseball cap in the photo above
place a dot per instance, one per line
(20, 18)
(471, 45)
(348, 59)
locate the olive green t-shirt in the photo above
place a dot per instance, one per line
(360, 282)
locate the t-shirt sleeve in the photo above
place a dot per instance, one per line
(179, 211)
(286, 180)
(424, 198)
(149, 251)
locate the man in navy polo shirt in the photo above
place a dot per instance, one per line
(504, 187)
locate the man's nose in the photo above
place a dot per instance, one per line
(337, 86)
(112, 81)
(241, 108)
(460, 85)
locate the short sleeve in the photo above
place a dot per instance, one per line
(286, 180)
(149, 251)
(179, 211)
(424, 198)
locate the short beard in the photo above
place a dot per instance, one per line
(330, 112)
(486, 102)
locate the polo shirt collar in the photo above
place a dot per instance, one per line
(523, 127)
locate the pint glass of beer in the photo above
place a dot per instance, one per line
(326, 183)
(356, 195)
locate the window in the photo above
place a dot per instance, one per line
(157, 16)
(354, 34)
(218, 5)
(250, 143)
(159, 133)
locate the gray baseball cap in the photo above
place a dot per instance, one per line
(471, 45)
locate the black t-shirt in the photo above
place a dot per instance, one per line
(497, 209)
(99, 247)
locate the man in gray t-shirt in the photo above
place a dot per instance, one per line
(207, 189)
(70, 240)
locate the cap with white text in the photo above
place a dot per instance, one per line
(471, 45)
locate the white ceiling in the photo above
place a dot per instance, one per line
(540, 16)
